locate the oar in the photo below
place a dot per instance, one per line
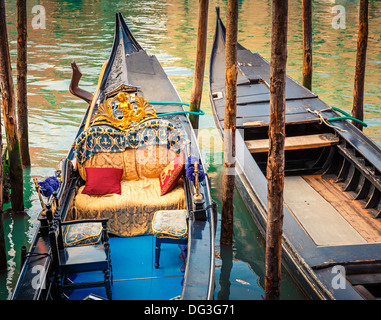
(93, 102)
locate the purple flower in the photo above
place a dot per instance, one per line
(49, 185)
(189, 167)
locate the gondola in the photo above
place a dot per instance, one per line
(332, 227)
(133, 218)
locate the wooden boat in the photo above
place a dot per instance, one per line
(332, 209)
(136, 122)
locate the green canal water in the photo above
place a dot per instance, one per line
(83, 31)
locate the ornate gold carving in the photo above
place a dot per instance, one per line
(123, 87)
(134, 109)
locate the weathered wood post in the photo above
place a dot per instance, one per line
(3, 254)
(275, 163)
(9, 114)
(22, 101)
(362, 43)
(198, 79)
(307, 43)
(228, 175)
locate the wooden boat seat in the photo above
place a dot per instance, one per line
(169, 226)
(74, 259)
(295, 143)
(131, 213)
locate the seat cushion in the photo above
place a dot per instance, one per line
(151, 160)
(102, 181)
(144, 162)
(122, 160)
(131, 212)
(171, 174)
(81, 234)
(170, 224)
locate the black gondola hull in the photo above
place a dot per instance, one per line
(316, 268)
(129, 65)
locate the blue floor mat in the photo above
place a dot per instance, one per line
(134, 274)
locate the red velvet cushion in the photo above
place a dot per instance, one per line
(101, 181)
(171, 174)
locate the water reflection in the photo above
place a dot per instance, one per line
(240, 270)
(226, 257)
(82, 30)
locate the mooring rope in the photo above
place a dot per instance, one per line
(322, 120)
(346, 116)
(198, 113)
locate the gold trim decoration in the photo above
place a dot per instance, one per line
(133, 109)
(123, 87)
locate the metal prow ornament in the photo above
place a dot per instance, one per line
(197, 196)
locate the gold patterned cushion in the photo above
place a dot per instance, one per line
(151, 160)
(170, 224)
(122, 160)
(129, 165)
(82, 234)
(130, 213)
(144, 162)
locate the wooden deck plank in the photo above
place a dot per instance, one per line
(350, 209)
(243, 124)
(294, 143)
(263, 121)
(319, 218)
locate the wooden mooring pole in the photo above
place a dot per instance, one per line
(362, 43)
(3, 254)
(9, 114)
(228, 174)
(22, 101)
(198, 79)
(275, 163)
(307, 43)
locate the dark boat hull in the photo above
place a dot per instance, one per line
(130, 64)
(316, 268)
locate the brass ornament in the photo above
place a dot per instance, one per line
(133, 109)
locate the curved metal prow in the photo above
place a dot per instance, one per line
(128, 37)
(122, 32)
